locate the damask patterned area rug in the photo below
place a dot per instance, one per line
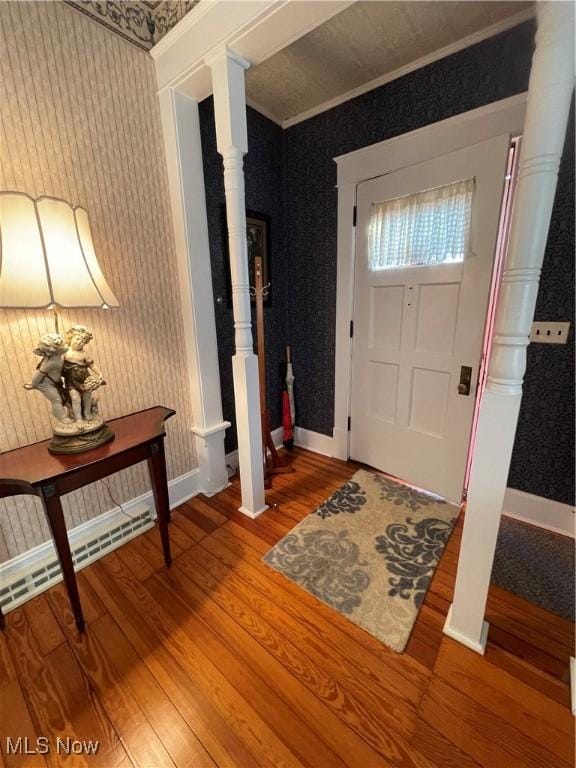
(369, 552)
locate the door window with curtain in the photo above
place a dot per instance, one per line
(422, 229)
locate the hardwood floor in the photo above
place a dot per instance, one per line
(220, 661)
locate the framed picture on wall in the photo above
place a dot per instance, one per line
(258, 244)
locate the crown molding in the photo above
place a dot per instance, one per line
(264, 111)
(183, 26)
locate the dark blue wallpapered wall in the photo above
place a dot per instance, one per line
(291, 175)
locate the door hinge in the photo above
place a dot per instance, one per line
(354, 214)
(351, 328)
(349, 423)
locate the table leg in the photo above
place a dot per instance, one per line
(157, 467)
(55, 516)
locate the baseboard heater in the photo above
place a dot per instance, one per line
(21, 587)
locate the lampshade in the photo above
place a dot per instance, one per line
(47, 256)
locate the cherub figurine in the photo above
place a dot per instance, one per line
(68, 378)
(81, 377)
(48, 376)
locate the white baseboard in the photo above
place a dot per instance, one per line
(536, 510)
(475, 645)
(182, 488)
(232, 457)
(573, 685)
(253, 515)
(340, 443)
(313, 441)
(17, 574)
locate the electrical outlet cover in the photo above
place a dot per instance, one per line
(549, 333)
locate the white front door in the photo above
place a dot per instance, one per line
(418, 329)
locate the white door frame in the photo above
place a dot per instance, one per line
(506, 116)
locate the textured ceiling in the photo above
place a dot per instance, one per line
(366, 41)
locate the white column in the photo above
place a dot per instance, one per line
(549, 96)
(183, 147)
(232, 141)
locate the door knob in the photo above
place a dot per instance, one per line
(465, 380)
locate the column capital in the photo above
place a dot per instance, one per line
(229, 99)
(223, 53)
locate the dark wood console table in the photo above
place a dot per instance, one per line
(33, 470)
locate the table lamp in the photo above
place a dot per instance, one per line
(48, 261)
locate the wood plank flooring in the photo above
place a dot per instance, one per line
(220, 661)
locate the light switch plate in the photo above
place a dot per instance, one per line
(549, 333)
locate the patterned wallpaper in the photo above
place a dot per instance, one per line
(67, 132)
(142, 22)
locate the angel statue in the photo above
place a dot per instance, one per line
(68, 378)
(81, 377)
(48, 376)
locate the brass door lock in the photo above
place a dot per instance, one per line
(465, 380)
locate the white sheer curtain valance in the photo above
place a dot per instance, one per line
(430, 227)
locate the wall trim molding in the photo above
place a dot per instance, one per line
(573, 685)
(182, 27)
(432, 140)
(314, 441)
(303, 438)
(423, 61)
(264, 111)
(232, 457)
(537, 510)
